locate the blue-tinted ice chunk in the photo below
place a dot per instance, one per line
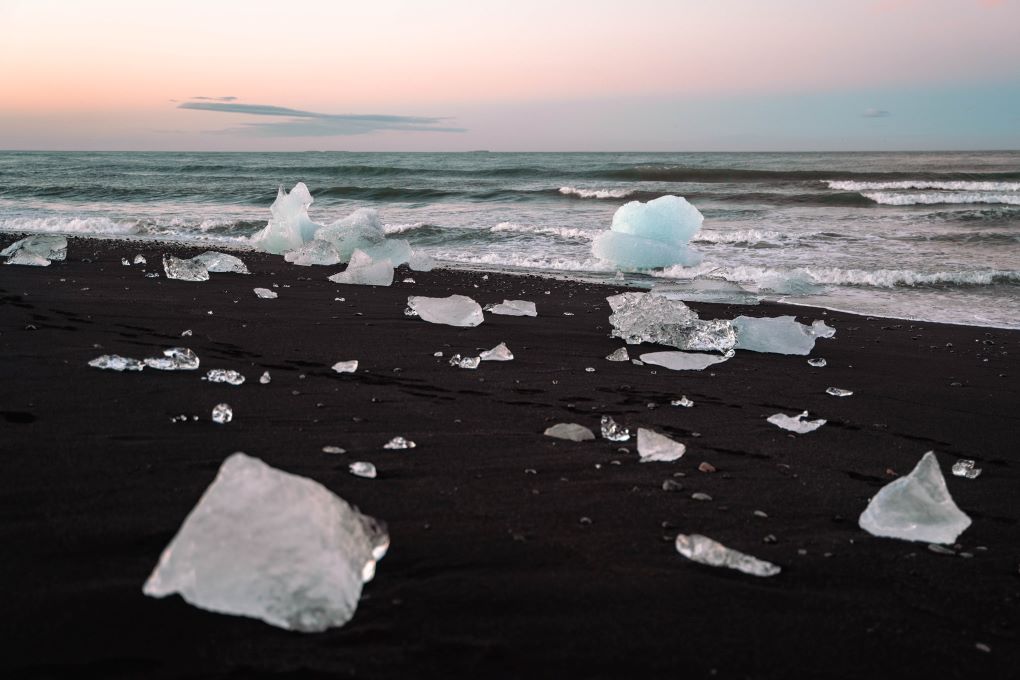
(651, 235)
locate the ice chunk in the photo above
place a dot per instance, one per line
(125, 262)
(965, 468)
(333, 449)
(682, 401)
(397, 251)
(362, 468)
(797, 423)
(838, 392)
(265, 293)
(216, 262)
(361, 230)
(184, 270)
(820, 329)
(399, 443)
(174, 359)
(289, 227)
(650, 235)
(273, 546)
(115, 362)
(513, 308)
(706, 290)
(34, 249)
(140, 259)
(796, 282)
(619, 355)
(265, 378)
(222, 375)
(421, 262)
(364, 271)
(613, 431)
(570, 431)
(777, 335)
(465, 362)
(704, 550)
(222, 413)
(315, 252)
(641, 317)
(346, 366)
(653, 447)
(817, 363)
(455, 310)
(682, 361)
(916, 507)
(28, 260)
(498, 353)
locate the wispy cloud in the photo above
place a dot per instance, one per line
(875, 113)
(218, 99)
(300, 123)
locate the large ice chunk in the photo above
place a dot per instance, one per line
(652, 447)
(184, 270)
(36, 250)
(916, 507)
(315, 252)
(421, 262)
(397, 251)
(364, 271)
(455, 310)
(650, 235)
(682, 361)
(706, 290)
(361, 230)
(217, 262)
(641, 317)
(289, 227)
(778, 334)
(272, 546)
(513, 308)
(704, 550)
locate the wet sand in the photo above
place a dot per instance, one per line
(491, 571)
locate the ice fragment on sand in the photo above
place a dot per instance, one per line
(817, 363)
(465, 362)
(682, 401)
(265, 293)
(346, 366)
(364, 271)
(640, 317)
(613, 431)
(965, 468)
(139, 259)
(704, 550)
(315, 252)
(619, 355)
(265, 378)
(653, 447)
(273, 546)
(174, 359)
(498, 353)
(33, 250)
(776, 335)
(822, 330)
(29, 260)
(706, 290)
(217, 262)
(420, 262)
(455, 310)
(916, 507)
(652, 234)
(184, 270)
(222, 413)
(682, 361)
(115, 362)
(333, 449)
(362, 468)
(838, 392)
(289, 226)
(513, 308)
(399, 443)
(222, 375)
(125, 262)
(796, 423)
(570, 431)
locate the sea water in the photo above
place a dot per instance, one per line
(929, 236)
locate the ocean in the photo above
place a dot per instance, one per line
(925, 236)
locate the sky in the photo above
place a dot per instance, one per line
(458, 75)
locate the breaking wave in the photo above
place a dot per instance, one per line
(595, 193)
(561, 232)
(835, 276)
(749, 236)
(919, 184)
(885, 198)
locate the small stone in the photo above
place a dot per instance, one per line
(706, 467)
(333, 449)
(671, 485)
(699, 496)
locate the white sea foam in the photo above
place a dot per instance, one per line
(886, 198)
(595, 193)
(555, 264)
(876, 278)
(402, 228)
(740, 236)
(69, 225)
(562, 232)
(920, 184)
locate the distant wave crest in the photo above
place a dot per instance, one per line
(920, 184)
(561, 232)
(876, 278)
(936, 198)
(595, 193)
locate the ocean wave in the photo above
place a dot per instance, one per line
(749, 236)
(560, 232)
(919, 184)
(835, 276)
(676, 173)
(403, 228)
(595, 193)
(502, 260)
(70, 225)
(962, 198)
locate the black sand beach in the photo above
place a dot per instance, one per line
(491, 571)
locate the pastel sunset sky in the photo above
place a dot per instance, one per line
(524, 75)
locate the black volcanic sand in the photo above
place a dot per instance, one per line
(492, 572)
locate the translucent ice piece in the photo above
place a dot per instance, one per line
(965, 468)
(916, 507)
(333, 449)
(682, 361)
(776, 335)
(619, 355)
(174, 359)
(653, 447)
(364, 271)
(498, 353)
(361, 230)
(822, 330)
(315, 252)
(796, 423)
(222, 375)
(44, 246)
(28, 260)
(796, 282)
(704, 550)
(222, 413)
(217, 262)
(273, 546)
(125, 262)
(265, 378)
(838, 392)
(465, 362)
(346, 366)
(399, 443)
(289, 226)
(652, 234)
(140, 259)
(455, 310)
(640, 317)
(613, 431)
(513, 308)
(570, 431)
(362, 468)
(706, 290)
(184, 270)
(421, 262)
(397, 251)
(115, 362)
(265, 293)
(817, 363)
(682, 401)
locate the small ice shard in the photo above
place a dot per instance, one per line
(115, 362)
(184, 270)
(916, 507)
(822, 330)
(174, 359)
(465, 362)
(222, 413)
(455, 310)
(838, 392)
(399, 443)
(965, 468)
(421, 262)
(273, 546)
(498, 353)
(362, 468)
(706, 290)
(125, 262)
(365, 271)
(33, 250)
(315, 252)
(817, 363)
(570, 431)
(641, 317)
(776, 335)
(289, 226)
(265, 293)
(650, 235)
(408, 280)
(613, 431)
(140, 259)
(222, 375)
(346, 366)
(796, 423)
(653, 447)
(186, 333)
(265, 378)
(513, 308)
(619, 355)
(682, 401)
(704, 550)
(682, 361)
(333, 449)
